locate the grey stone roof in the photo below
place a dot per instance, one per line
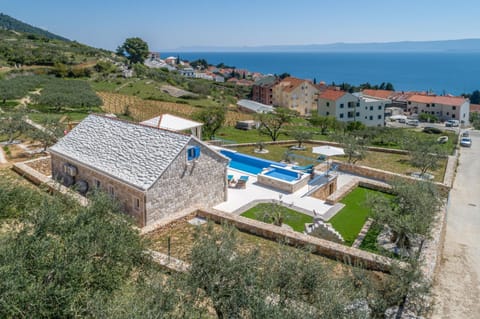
(268, 80)
(132, 153)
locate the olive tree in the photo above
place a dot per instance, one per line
(424, 154)
(212, 118)
(50, 132)
(65, 259)
(271, 124)
(13, 125)
(354, 147)
(409, 213)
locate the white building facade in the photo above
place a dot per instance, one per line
(347, 107)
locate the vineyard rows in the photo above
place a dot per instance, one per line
(142, 110)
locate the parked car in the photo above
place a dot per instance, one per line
(465, 134)
(442, 139)
(452, 123)
(412, 122)
(466, 142)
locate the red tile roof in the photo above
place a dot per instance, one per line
(290, 83)
(475, 108)
(383, 94)
(445, 100)
(332, 95)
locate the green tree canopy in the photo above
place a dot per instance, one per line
(411, 212)
(66, 260)
(424, 154)
(135, 49)
(212, 118)
(323, 122)
(271, 124)
(13, 126)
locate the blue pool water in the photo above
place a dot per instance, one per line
(247, 163)
(283, 174)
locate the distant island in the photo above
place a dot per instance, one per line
(461, 46)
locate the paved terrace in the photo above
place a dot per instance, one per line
(238, 197)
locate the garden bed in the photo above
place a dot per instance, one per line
(182, 239)
(350, 220)
(292, 218)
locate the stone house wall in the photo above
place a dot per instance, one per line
(185, 184)
(124, 193)
(326, 190)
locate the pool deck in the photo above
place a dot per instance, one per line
(238, 198)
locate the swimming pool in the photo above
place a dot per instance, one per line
(283, 174)
(283, 178)
(247, 163)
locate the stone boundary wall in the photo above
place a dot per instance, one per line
(322, 247)
(37, 178)
(381, 175)
(450, 170)
(430, 258)
(317, 142)
(168, 262)
(170, 220)
(347, 188)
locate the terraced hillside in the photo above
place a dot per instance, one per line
(141, 110)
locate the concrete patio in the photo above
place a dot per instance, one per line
(239, 198)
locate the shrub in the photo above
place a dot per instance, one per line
(432, 130)
(430, 118)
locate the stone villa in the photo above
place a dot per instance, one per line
(152, 172)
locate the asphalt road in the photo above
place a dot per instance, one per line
(457, 286)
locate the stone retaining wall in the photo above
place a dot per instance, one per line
(38, 178)
(320, 246)
(347, 188)
(316, 142)
(381, 175)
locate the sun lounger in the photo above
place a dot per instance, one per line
(242, 182)
(303, 168)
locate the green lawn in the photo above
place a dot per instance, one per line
(349, 221)
(277, 153)
(369, 243)
(294, 219)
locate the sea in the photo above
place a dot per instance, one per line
(440, 73)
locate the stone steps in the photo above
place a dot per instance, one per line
(323, 230)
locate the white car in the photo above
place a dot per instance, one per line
(466, 142)
(452, 123)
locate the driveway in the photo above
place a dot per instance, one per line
(457, 285)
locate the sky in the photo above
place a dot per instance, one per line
(175, 24)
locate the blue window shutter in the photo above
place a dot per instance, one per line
(193, 152)
(197, 151)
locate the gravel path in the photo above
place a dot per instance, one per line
(457, 285)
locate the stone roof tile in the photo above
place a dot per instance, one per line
(133, 153)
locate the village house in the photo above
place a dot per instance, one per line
(296, 94)
(176, 123)
(443, 107)
(152, 172)
(347, 107)
(475, 108)
(187, 72)
(262, 89)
